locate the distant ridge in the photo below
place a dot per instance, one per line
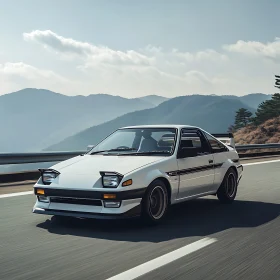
(213, 113)
(33, 119)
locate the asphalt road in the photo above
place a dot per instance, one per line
(246, 234)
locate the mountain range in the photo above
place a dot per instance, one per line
(252, 100)
(33, 119)
(39, 119)
(212, 113)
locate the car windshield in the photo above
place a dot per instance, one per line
(138, 141)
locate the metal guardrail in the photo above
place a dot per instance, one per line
(257, 146)
(21, 158)
(14, 177)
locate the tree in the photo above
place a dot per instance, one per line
(268, 109)
(242, 118)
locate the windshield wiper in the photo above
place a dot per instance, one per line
(113, 150)
(147, 153)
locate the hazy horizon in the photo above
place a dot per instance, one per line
(140, 96)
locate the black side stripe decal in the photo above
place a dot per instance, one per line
(218, 165)
(235, 160)
(194, 170)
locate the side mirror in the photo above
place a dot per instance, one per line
(89, 147)
(185, 152)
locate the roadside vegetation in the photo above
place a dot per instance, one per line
(262, 127)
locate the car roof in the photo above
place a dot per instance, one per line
(161, 126)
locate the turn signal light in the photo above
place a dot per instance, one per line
(127, 183)
(40, 191)
(109, 196)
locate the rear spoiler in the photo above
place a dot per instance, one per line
(226, 138)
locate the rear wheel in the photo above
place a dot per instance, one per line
(155, 203)
(228, 189)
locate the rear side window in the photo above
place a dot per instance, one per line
(190, 139)
(216, 146)
(195, 141)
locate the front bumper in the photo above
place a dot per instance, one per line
(132, 213)
(88, 204)
(91, 194)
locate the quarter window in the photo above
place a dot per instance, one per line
(216, 146)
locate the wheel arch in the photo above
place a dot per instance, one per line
(146, 176)
(234, 168)
(221, 192)
(228, 164)
(167, 184)
(227, 168)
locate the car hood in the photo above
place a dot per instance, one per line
(83, 171)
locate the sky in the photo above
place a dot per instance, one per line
(135, 48)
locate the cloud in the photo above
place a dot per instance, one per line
(29, 72)
(18, 75)
(94, 54)
(149, 70)
(58, 43)
(201, 55)
(196, 76)
(269, 50)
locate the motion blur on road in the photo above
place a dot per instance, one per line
(245, 238)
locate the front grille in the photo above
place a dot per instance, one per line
(79, 201)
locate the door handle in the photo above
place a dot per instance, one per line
(210, 161)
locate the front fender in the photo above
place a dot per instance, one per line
(143, 177)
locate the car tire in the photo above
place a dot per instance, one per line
(228, 189)
(155, 203)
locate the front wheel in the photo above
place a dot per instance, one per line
(155, 203)
(228, 189)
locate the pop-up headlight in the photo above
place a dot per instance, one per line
(48, 175)
(111, 179)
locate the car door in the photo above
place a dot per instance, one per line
(195, 163)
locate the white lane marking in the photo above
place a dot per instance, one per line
(163, 260)
(261, 162)
(15, 194)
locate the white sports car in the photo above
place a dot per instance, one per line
(141, 171)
